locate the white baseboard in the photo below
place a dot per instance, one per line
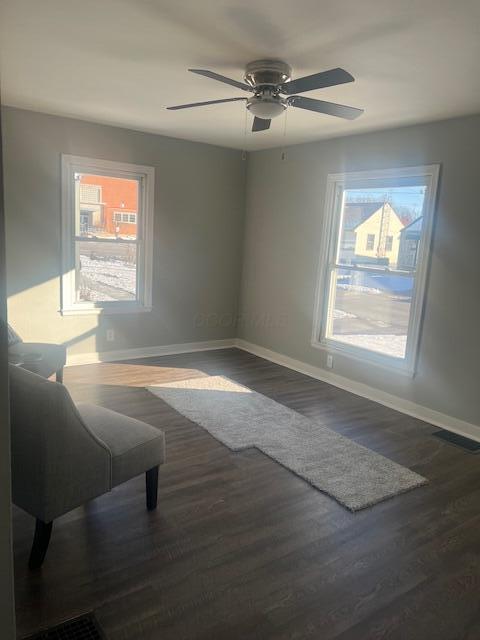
(394, 402)
(146, 352)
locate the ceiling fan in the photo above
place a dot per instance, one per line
(268, 80)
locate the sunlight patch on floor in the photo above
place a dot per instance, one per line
(208, 383)
(138, 375)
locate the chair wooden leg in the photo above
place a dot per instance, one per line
(151, 483)
(41, 539)
(59, 375)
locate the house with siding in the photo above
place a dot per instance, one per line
(377, 238)
(409, 243)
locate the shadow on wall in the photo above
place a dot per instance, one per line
(79, 338)
(33, 238)
(36, 268)
(34, 313)
(32, 263)
(34, 245)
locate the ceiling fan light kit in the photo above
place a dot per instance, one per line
(266, 106)
(268, 80)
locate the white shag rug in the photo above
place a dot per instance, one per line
(241, 418)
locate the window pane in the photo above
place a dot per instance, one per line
(371, 311)
(105, 271)
(381, 226)
(370, 242)
(105, 206)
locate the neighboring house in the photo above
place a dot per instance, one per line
(377, 237)
(354, 213)
(91, 208)
(107, 206)
(409, 242)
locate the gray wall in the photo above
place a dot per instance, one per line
(198, 230)
(7, 620)
(285, 206)
(199, 223)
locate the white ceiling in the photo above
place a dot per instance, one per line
(122, 62)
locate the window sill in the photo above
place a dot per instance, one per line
(97, 311)
(367, 358)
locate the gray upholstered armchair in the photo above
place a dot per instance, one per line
(40, 357)
(65, 454)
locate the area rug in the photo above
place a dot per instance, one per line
(241, 418)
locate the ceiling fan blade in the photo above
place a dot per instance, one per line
(329, 108)
(259, 124)
(203, 104)
(317, 81)
(217, 76)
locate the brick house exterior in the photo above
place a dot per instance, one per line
(108, 206)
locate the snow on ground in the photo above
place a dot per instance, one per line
(338, 314)
(357, 288)
(119, 275)
(389, 345)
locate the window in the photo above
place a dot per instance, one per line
(127, 218)
(372, 273)
(106, 253)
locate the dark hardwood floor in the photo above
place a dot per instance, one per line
(240, 548)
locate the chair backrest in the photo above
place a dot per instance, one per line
(13, 337)
(57, 461)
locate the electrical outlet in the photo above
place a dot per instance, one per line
(330, 361)
(110, 335)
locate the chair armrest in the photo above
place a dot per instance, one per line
(57, 462)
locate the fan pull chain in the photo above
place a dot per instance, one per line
(284, 152)
(244, 152)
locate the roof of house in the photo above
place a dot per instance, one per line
(355, 213)
(415, 226)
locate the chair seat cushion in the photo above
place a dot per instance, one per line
(40, 358)
(135, 446)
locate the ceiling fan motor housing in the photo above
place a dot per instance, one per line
(271, 73)
(265, 76)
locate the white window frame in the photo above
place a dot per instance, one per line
(146, 178)
(336, 185)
